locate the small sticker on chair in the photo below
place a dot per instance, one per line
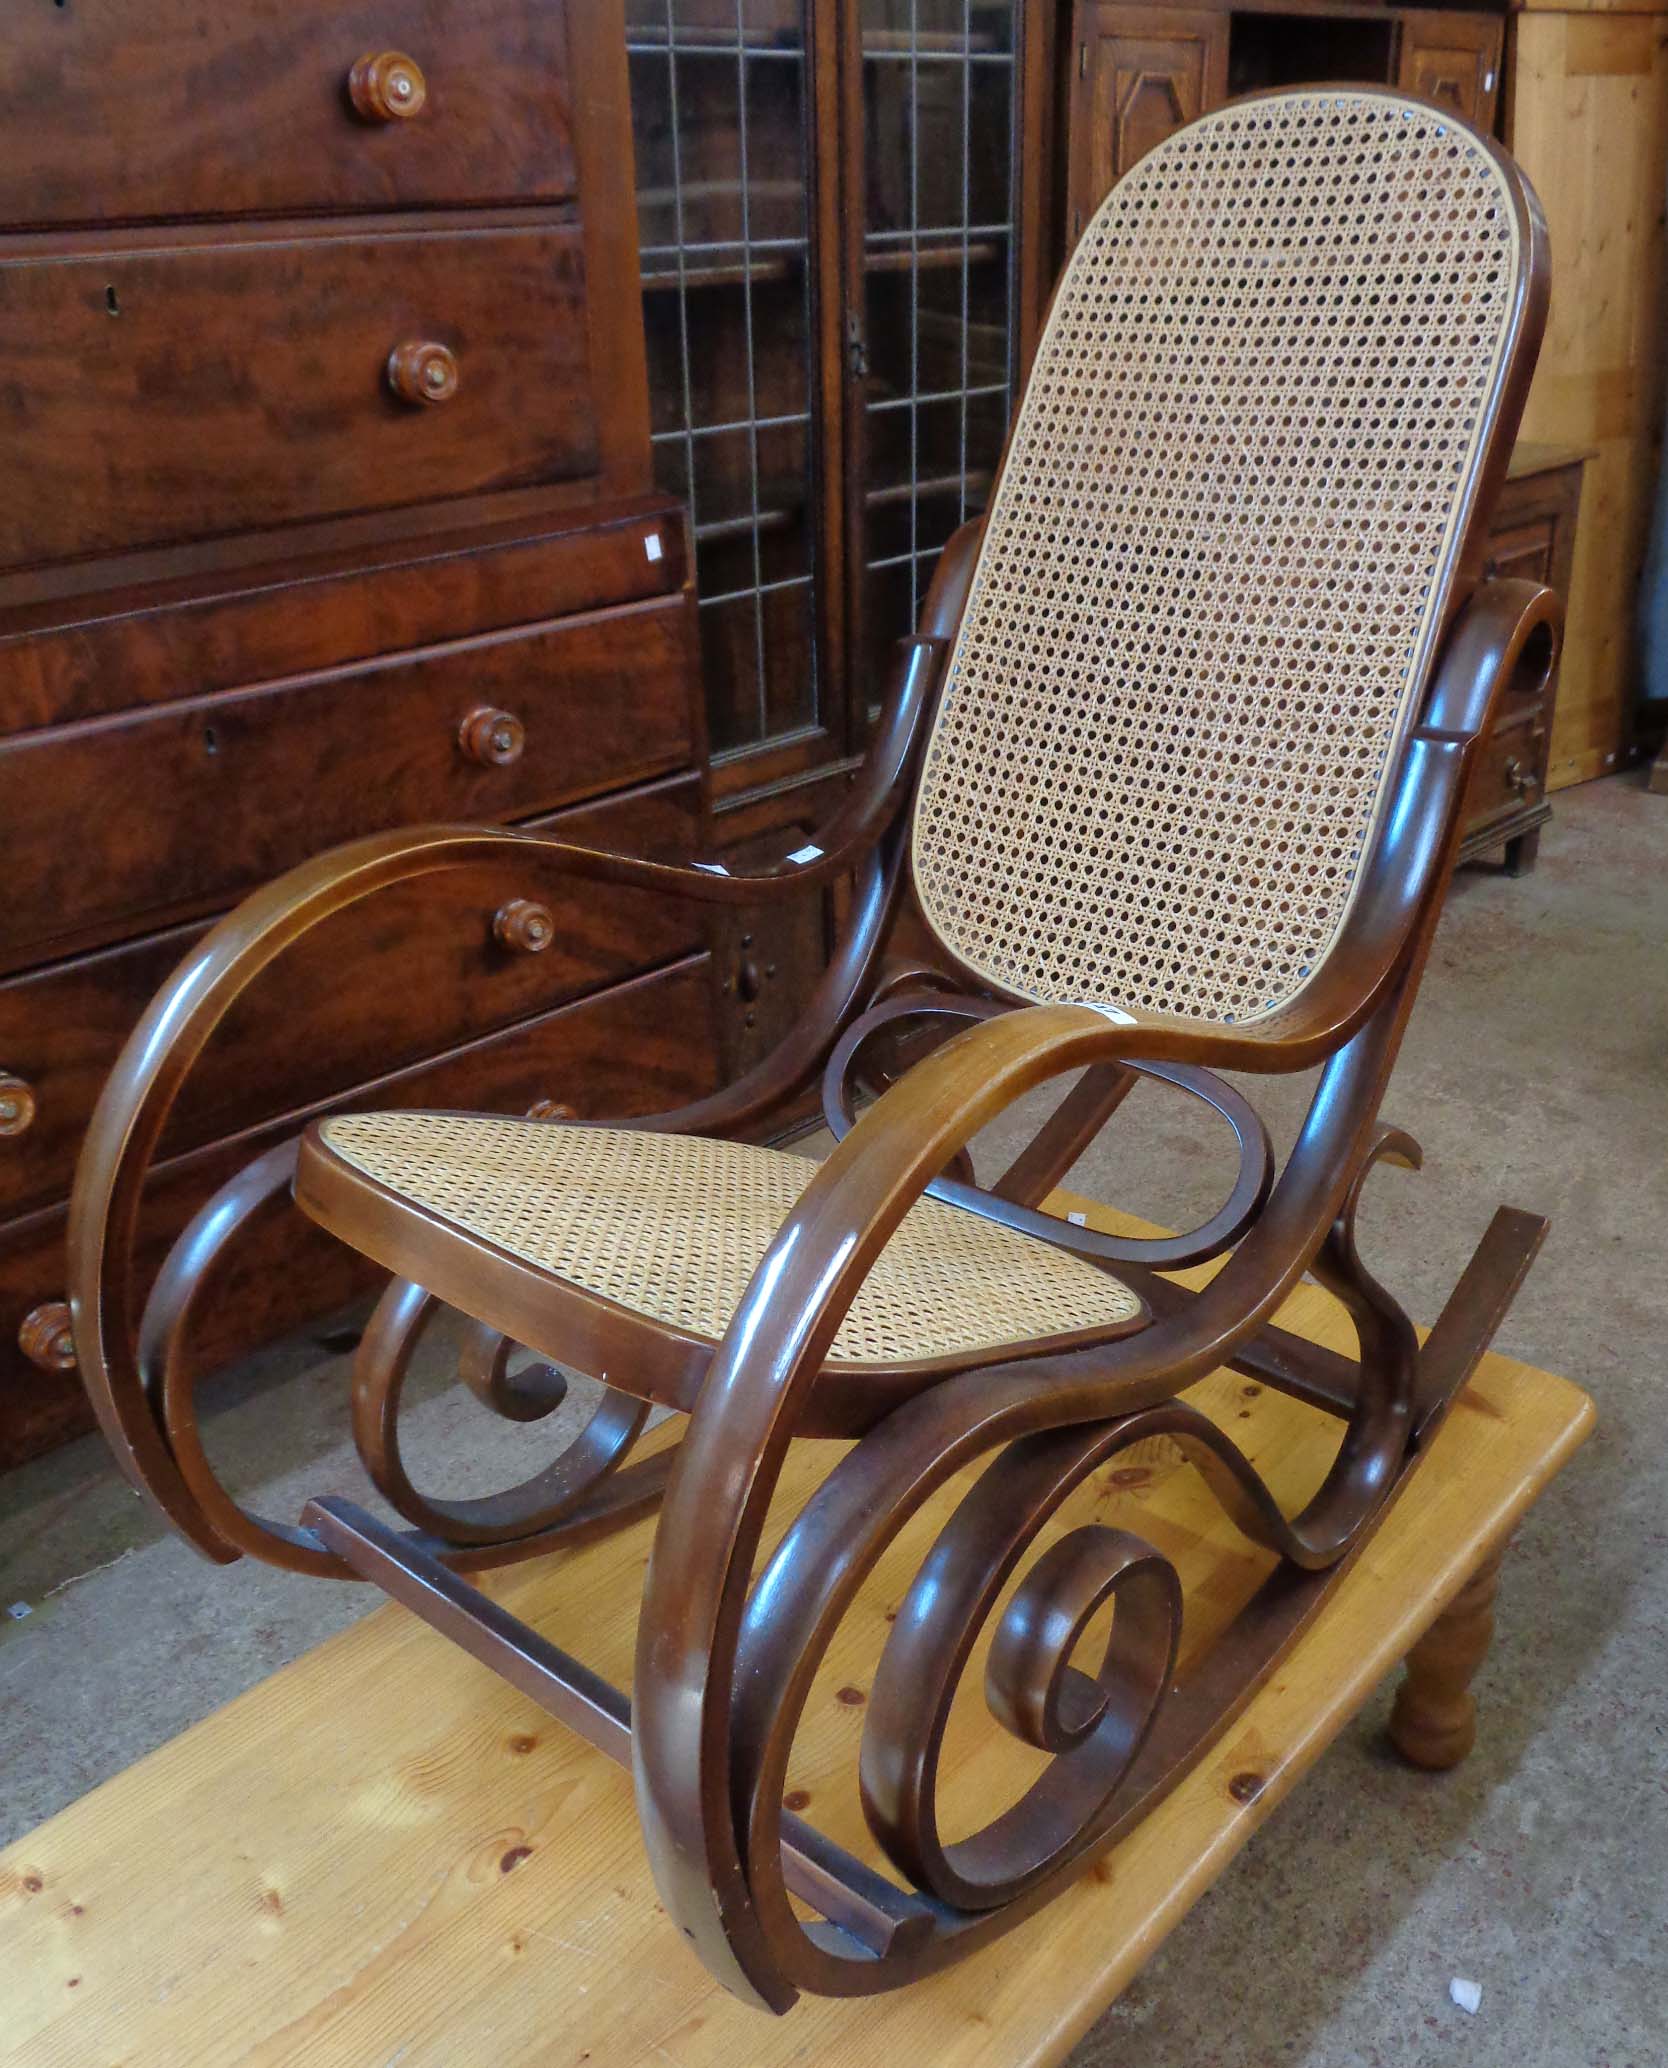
(652, 548)
(806, 854)
(712, 868)
(1113, 1013)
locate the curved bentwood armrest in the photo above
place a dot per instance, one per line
(134, 1106)
(702, 1568)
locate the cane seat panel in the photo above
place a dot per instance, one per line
(672, 1227)
(1218, 557)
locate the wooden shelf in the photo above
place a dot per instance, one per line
(976, 480)
(779, 266)
(650, 39)
(931, 258)
(778, 517)
(930, 43)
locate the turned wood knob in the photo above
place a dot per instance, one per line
(423, 372)
(387, 86)
(550, 1109)
(491, 737)
(17, 1105)
(523, 926)
(45, 1339)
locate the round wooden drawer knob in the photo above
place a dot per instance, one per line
(45, 1338)
(523, 926)
(492, 738)
(387, 86)
(17, 1105)
(423, 372)
(550, 1109)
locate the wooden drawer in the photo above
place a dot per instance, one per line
(1522, 552)
(177, 108)
(1511, 775)
(768, 958)
(168, 394)
(411, 972)
(146, 644)
(124, 822)
(636, 1049)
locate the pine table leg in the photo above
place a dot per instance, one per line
(1434, 1722)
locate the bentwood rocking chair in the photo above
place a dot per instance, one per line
(1173, 777)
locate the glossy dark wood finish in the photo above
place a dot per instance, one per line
(385, 984)
(256, 779)
(185, 110)
(327, 428)
(769, 958)
(731, 1638)
(180, 392)
(1136, 73)
(630, 1049)
(301, 611)
(1453, 59)
(1139, 73)
(829, 324)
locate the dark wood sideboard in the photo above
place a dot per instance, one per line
(325, 505)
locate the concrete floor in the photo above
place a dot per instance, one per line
(1536, 1072)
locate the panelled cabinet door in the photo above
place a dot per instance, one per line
(1455, 59)
(1138, 73)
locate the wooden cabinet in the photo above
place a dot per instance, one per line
(1587, 118)
(841, 270)
(180, 110)
(180, 390)
(326, 504)
(1533, 539)
(1453, 58)
(841, 220)
(1139, 73)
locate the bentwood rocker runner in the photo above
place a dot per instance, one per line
(1172, 780)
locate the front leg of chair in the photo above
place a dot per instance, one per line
(695, 1592)
(686, 1754)
(726, 1656)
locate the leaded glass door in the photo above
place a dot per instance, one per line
(839, 220)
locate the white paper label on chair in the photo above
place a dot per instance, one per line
(1107, 1012)
(652, 547)
(806, 854)
(712, 868)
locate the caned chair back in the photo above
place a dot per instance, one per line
(1220, 555)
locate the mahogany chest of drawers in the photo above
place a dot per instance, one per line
(324, 506)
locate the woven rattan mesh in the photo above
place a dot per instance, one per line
(674, 1227)
(1215, 564)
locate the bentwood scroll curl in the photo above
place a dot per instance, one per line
(539, 1503)
(1158, 1253)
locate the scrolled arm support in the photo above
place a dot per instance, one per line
(1157, 1253)
(751, 1401)
(133, 1109)
(1351, 1017)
